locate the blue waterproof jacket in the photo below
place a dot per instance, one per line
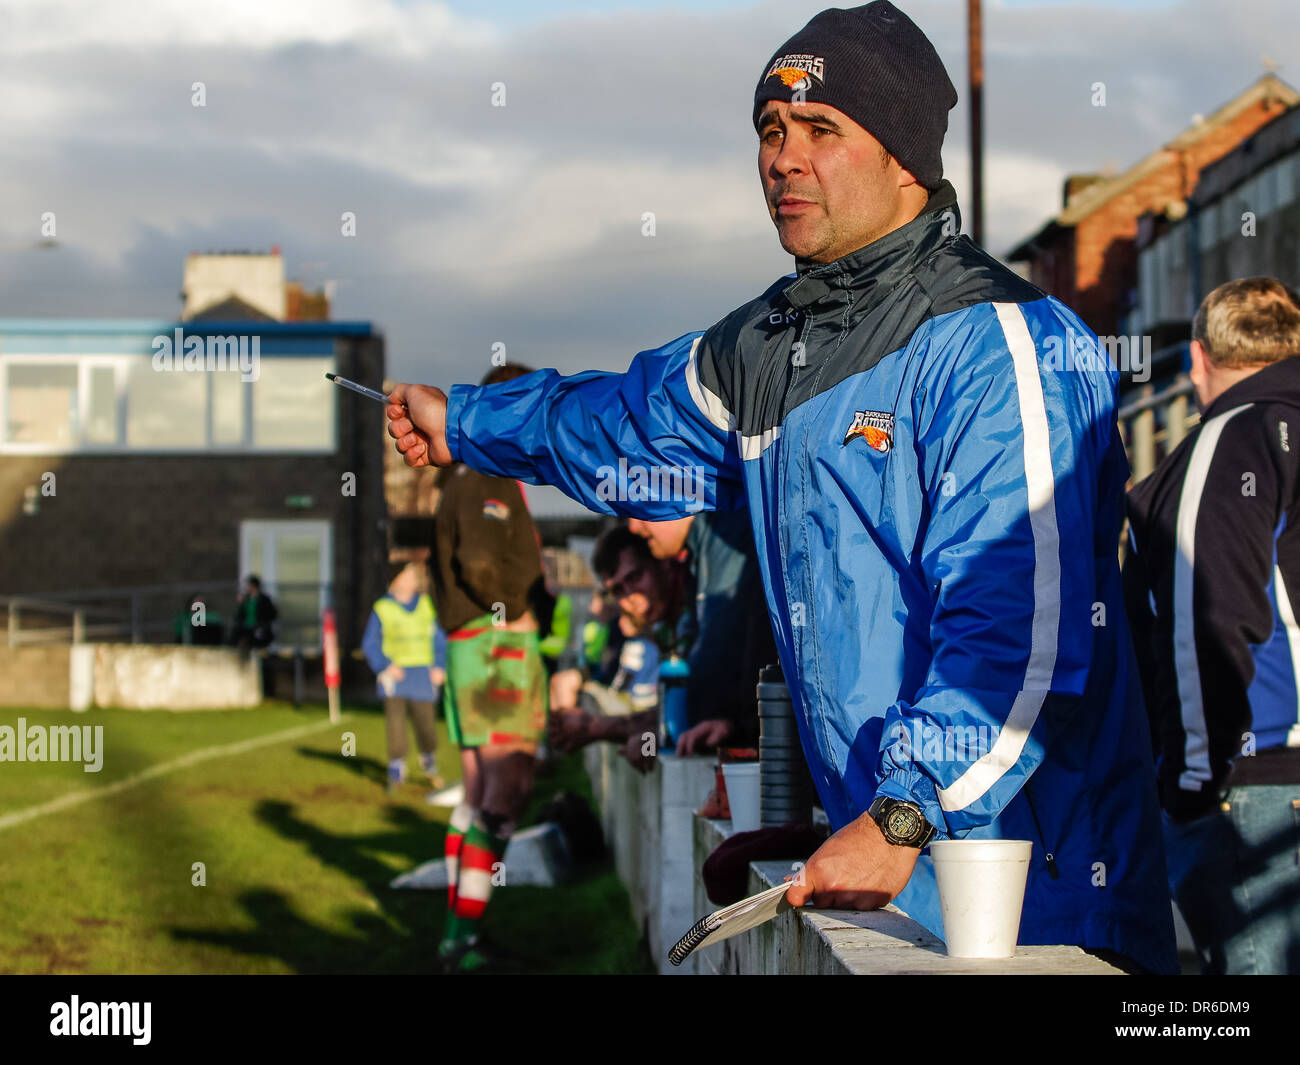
(928, 450)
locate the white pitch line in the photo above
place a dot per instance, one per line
(76, 798)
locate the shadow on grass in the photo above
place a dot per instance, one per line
(584, 926)
(398, 935)
(371, 769)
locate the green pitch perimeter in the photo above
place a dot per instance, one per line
(298, 843)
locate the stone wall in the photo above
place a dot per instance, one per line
(35, 677)
(659, 845)
(140, 677)
(647, 822)
(128, 676)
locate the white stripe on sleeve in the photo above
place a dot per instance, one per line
(751, 447)
(1040, 485)
(712, 407)
(1287, 614)
(709, 403)
(1187, 669)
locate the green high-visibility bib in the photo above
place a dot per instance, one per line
(408, 634)
(595, 636)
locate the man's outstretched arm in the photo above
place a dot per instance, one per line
(654, 442)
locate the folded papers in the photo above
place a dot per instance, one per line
(731, 921)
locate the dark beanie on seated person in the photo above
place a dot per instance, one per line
(873, 64)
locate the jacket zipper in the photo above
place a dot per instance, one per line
(1050, 858)
(805, 319)
(800, 333)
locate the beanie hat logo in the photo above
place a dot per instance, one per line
(797, 71)
(888, 79)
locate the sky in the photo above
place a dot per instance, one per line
(520, 225)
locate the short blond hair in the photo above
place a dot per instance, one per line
(1253, 321)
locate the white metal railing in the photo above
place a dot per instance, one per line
(1155, 423)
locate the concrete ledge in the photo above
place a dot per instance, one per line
(647, 824)
(145, 677)
(129, 677)
(659, 845)
(846, 942)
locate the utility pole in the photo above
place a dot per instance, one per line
(975, 64)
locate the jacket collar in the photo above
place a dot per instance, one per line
(1276, 383)
(863, 275)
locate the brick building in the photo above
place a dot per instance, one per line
(127, 465)
(1243, 220)
(1087, 254)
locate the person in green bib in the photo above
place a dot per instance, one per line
(554, 612)
(404, 647)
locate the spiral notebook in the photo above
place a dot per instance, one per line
(731, 921)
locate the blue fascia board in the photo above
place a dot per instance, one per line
(154, 326)
(126, 336)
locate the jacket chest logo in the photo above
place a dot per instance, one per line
(874, 426)
(494, 508)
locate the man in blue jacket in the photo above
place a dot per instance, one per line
(928, 450)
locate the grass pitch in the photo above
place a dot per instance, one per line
(298, 843)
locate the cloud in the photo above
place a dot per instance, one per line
(57, 26)
(520, 223)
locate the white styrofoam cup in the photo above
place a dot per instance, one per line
(981, 892)
(742, 794)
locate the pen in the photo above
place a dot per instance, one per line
(369, 393)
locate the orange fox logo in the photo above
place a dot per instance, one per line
(874, 426)
(790, 76)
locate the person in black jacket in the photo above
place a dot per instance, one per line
(255, 614)
(1212, 582)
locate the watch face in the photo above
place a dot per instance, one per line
(903, 823)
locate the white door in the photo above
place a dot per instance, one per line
(294, 559)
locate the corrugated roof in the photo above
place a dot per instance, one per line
(1266, 145)
(1094, 196)
(1268, 87)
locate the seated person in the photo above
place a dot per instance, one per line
(727, 635)
(197, 624)
(648, 593)
(597, 657)
(554, 612)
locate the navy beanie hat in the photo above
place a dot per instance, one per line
(875, 65)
